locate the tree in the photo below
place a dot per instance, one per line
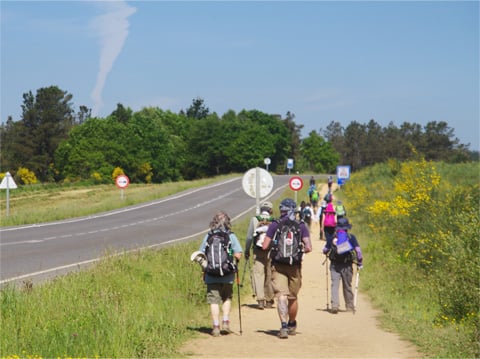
(319, 154)
(46, 120)
(198, 110)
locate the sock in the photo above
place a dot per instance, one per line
(284, 325)
(225, 319)
(292, 323)
(216, 323)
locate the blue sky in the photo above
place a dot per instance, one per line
(405, 61)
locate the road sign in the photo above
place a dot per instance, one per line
(265, 183)
(8, 182)
(295, 183)
(122, 181)
(343, 172)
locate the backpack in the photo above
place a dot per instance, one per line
(342, 250)
(261, 230)
(340, 210)
(287, 244)
(219, 253)
(315, 196)
(306, 214)
(329, 220)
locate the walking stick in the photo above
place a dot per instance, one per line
(244, 270)
(356, 291)
(326, 276)
(239, 306)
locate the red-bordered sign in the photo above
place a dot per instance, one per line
(295, 183)
(122, 181)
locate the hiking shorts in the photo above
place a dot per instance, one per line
(217, 293)
(286, 279)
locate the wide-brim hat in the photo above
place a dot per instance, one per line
(342, 223)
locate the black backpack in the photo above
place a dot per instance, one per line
(219, 253)
(287, 245)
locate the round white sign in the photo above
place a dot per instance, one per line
(249, 182)
(267, 161)
(295, 183)
(122, 181)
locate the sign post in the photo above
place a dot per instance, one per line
(7, 183)
(122, 182)
(295, 183)
(257, 183)
(343, 174)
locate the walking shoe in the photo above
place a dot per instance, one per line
(216, 331)
(292, 328)
(226, 326)
(283, 334)
(269, 303)
(334, 311)
(261, 304)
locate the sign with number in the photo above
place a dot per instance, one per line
(265, 182)
(295, 183)
(122, 181)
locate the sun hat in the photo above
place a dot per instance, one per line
(342, 223)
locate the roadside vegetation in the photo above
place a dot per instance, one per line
(419, 227)
(418, 224)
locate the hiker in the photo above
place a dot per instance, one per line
(329, 220)
(341, 263)
(262, 272)
(220, 287)
(288, 240)
(306, 213)
(312, 181)
(330, 182)
(319, 216)
(340, 210)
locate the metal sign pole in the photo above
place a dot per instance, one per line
(257, 190)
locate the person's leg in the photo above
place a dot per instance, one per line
(335, 277)
(259, 278)
(226, 294)
(214, 299)
(280, 287)
(347, 276)
(269, 295)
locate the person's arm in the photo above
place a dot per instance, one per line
(307, 243)
(236, 247)
(272, 228)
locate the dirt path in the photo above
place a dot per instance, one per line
(320, 334)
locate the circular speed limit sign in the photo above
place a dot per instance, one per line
(295, 183)
(122, 181)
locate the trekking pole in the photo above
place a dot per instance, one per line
(356, 290)
(247, 261)
(239, 306)
(325, 262)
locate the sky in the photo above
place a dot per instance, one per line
(342, 61)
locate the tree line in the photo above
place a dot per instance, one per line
(57, 144)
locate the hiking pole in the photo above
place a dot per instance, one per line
(247, 261)
(239, 306)
(326, 276)
(356, 290)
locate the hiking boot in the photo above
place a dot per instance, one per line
(226, 326)
(269, 303)
(216, 331)
(292, 328)
(334, 311)
(283, 334)
(261, 304)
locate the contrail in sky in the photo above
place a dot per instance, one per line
(112, 30)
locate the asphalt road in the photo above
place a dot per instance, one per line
(37, 252)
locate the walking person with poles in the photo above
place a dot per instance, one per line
(343, 251)
(262, 272)
(288, 240)
(222, 250)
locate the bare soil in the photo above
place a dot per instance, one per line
(320, 334)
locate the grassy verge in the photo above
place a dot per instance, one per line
(419, 228)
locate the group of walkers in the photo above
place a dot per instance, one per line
(278, 246)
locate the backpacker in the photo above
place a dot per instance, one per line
(315, 196)
(287, 244)
(219, 253)
(342, 250)
(261, 230)
(329, 220)
(307, 215)
(340, 210)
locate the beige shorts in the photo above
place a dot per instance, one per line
(286, 279)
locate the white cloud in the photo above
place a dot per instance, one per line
(112, 31)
